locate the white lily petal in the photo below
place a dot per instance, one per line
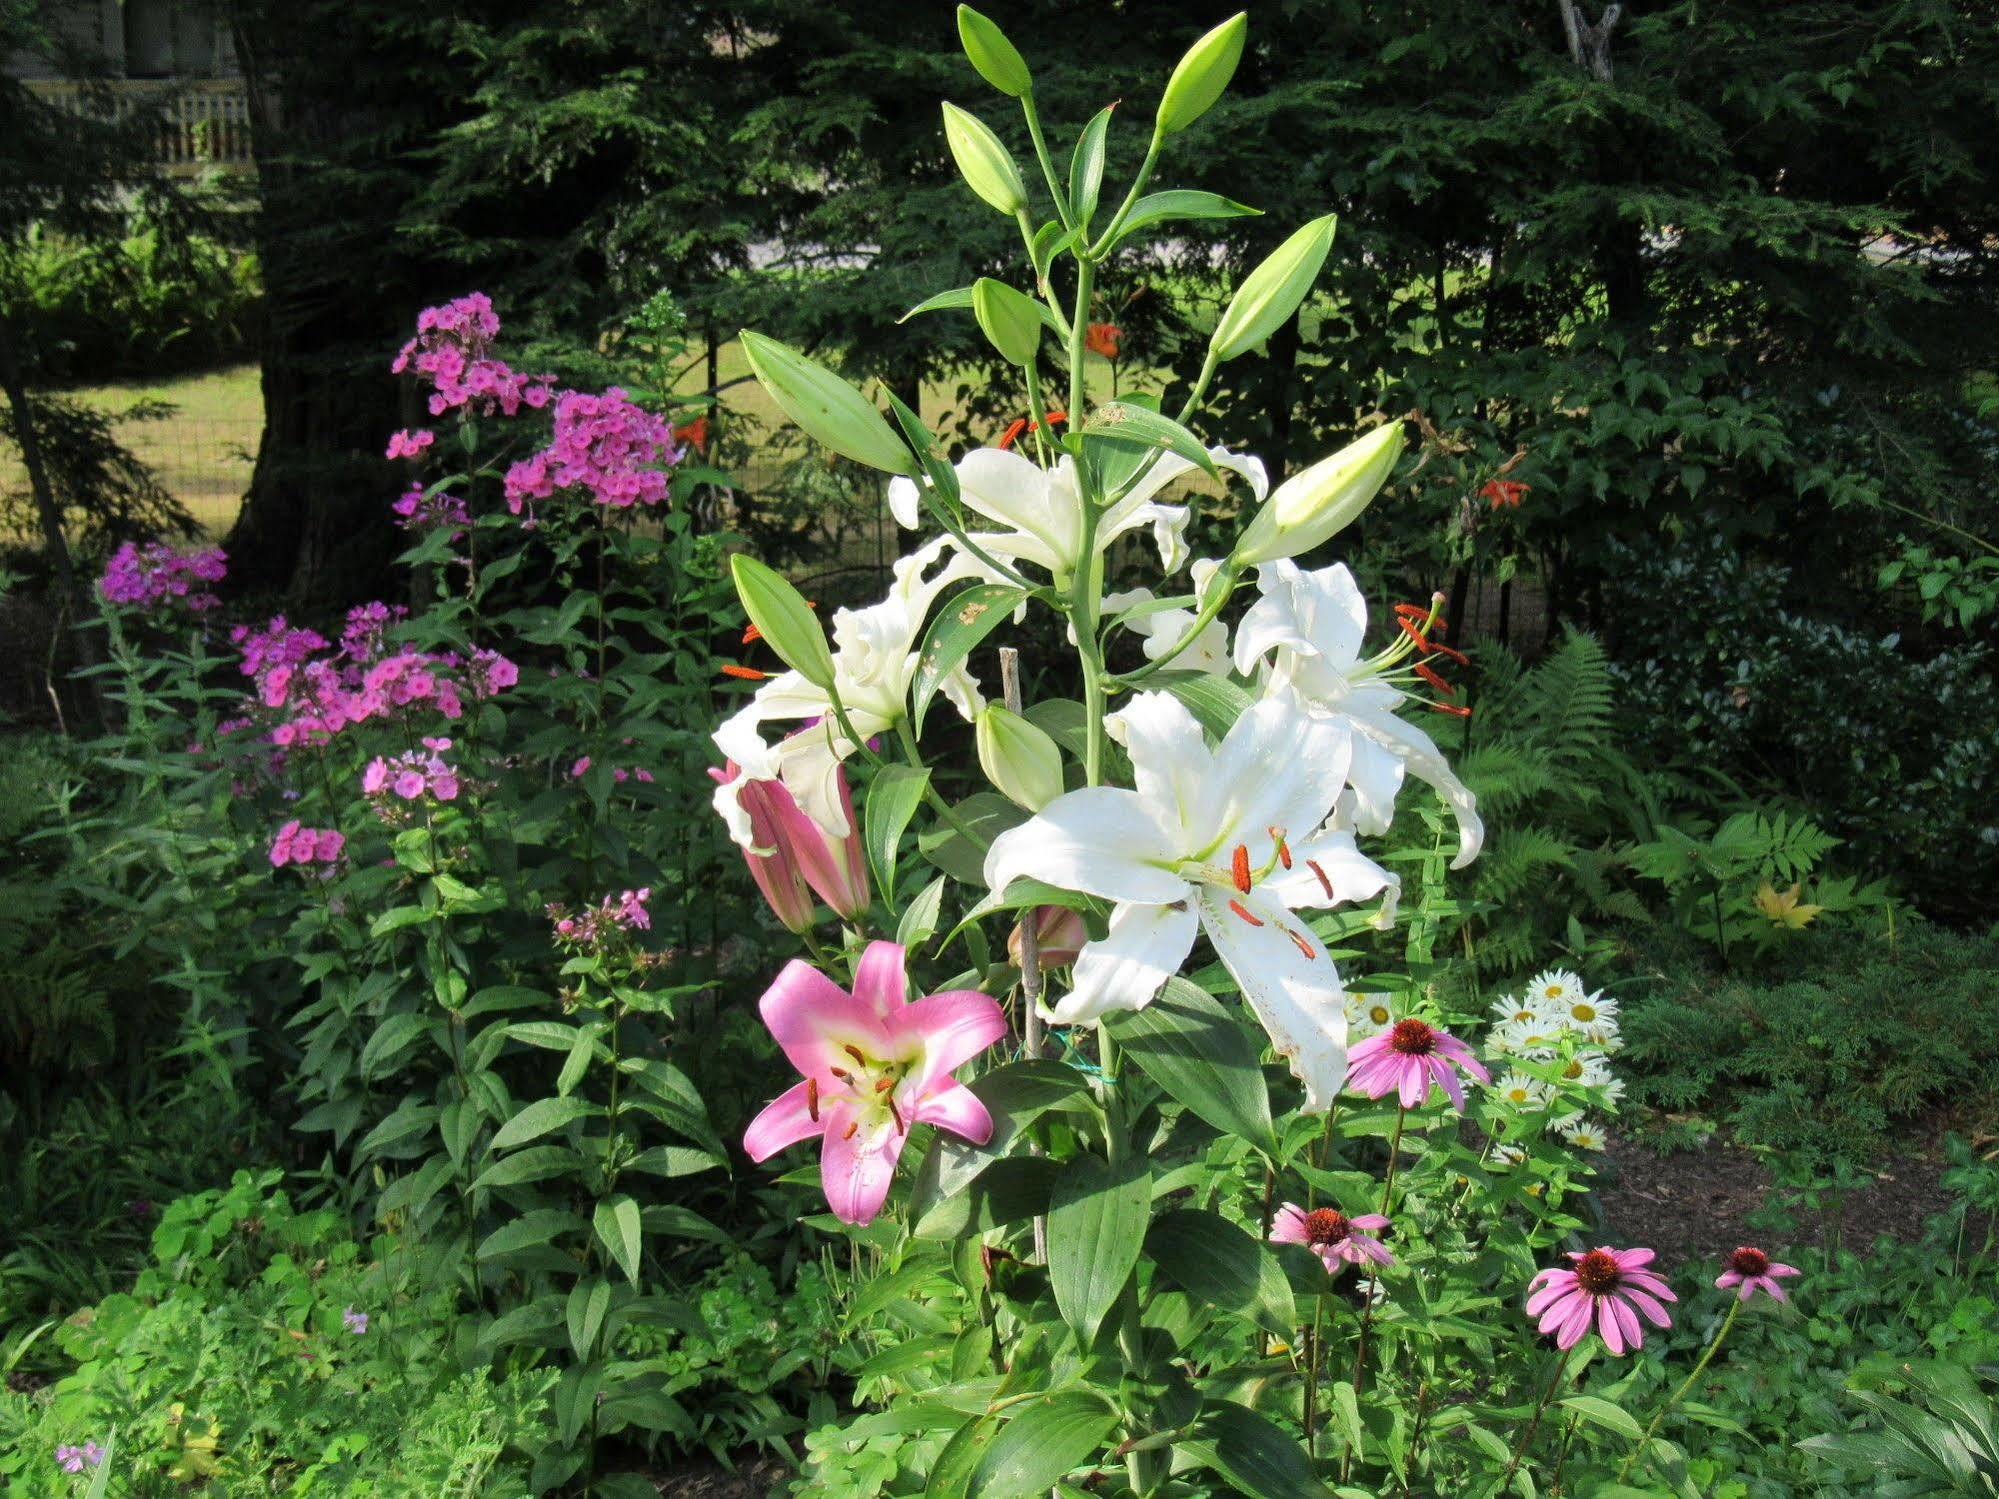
(1328, 869)
(1288, 979)
(1279, 767)
(1171, 764)
(1017, 492)
(1145, 947)
(1102, 840)
(904, 502)
(1375, 780)
(1419, 753)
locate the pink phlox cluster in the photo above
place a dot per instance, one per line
(417, 511)
(619, 774)
(450, 350)
(296, 844)
(158, 576)
(276, 645)
(411, 443)
(599, 925)
(413, 774)
(616, 451)
(367, 628)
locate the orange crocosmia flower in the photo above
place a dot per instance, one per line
(1504, 492)
(1103, 338)
(1021, 424)
(694, 434)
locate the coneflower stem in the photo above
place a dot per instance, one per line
(1534, 1424)
(1685, 1385)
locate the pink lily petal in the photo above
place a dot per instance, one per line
(956, 1025)
(855, 1178)
(879, 980)
(958, 1109)
(806, 1012)
(783, 1122)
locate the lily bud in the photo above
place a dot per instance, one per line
(791, 856)
(1201, 75)
(1019, 758)
(1059, 935)
(985, 164)
(998, 61)
(1310, 507)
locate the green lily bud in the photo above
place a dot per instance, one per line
(999, 62)
(1202, 75)
(1009, 318)
(1018, 757)
(1273, 291)
(827, 407)
(983, 161)
(1309, 507)
(784, 619)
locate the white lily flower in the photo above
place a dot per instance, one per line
(1159, 630)
(1206, 841)
(874, 663)
(1043, 515)
(1310, 626)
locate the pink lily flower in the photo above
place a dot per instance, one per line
(788, 852)
(874, 1064)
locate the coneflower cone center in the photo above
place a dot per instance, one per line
(1325, 1227)
(1597, 1273)
(1748, 1261)
(1412, 1038)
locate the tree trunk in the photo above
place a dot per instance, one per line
(49, 513)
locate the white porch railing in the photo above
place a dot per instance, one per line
(202, 123)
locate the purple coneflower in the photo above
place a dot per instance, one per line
(1332, 1235)
(1406, 1058)
(1607, 1286)
(1753, 1270)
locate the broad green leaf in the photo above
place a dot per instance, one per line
(1005, 1192)
(1010, 320)
(617, 1224)
(391, 1038)
(959, 298)
(1194, 1049)
(1273, 291)
(1131, 425)
(1220, 1263)
(1600, 1412)
(783, 618)
(1096, 1226)
(1215, 701)
(1016, 1095)
(897, 1285)
(533, 1165)
(588, 1300)
(951, 1473)
(1181, 203)
(1044, 1440)
(1254, 1453)
(829, 410)
(921, 916)
(893, 797)
(987, 814)
(529, 1231)
(538, 1118)
(964, 619)
(1086, 167)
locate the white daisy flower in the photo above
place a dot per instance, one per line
(1368, 1015)
(1585, 1134)
(1555, 989)
(1512, 1009)
(1592, 1071)
(1522, 1091)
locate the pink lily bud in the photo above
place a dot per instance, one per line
(1059, 936)
(772, 864)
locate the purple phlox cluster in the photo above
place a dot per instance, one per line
(276, 644)
(356, 1322)
(367, 625)
(413, 774)
(606, 445)
(158, 576)
(619, 774)
(599, 925)
(307, 847)
(76, 1459)
(450, 351)
(493, 673)
(411, 443)
(419, 511)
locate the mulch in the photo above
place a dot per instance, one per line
(1693, 1206)
(754, 1478)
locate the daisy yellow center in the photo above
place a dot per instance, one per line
(1553, 991)
(1380, 1014)
(1583, 1012)
(1597, 1273)
(1573, 1071)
